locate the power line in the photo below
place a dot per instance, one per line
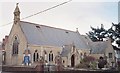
(6, 24)
(46, 9)
(39, 12)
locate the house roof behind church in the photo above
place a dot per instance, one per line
(46, 35)
(98, 47)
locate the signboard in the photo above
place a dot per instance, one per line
(26, 59)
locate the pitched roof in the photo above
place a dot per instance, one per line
(66, 50)
(98, 47)
(46, 35)
(86, 38)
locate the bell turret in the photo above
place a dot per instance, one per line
(16, 14)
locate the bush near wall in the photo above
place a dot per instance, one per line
(87, 62)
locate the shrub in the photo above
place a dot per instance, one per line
(87, 62)
(88, 59)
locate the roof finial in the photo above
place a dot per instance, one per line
(17, 8)
(16, 14)
(76, 29)
(17, 4)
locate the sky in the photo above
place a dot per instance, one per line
(75, 14)
(119, 11)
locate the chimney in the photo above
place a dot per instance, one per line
(3, 41)
(6, 39)
(3, 44)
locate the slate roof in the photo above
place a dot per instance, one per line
(46, 35)
(86, 38)
(66, 50)
(98, 47)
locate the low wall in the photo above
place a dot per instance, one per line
(40, 69)
(13, 69)
(91, 71)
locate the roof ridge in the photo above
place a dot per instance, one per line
(48, 26)
(100, 42)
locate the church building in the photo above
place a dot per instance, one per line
(28, 43)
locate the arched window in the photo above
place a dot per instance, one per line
(15, 46)
(35, 56)
(50, 56)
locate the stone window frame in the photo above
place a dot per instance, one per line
(35, 56)
(51, 56)
(15, 51)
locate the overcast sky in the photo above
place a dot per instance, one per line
(75, 14)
